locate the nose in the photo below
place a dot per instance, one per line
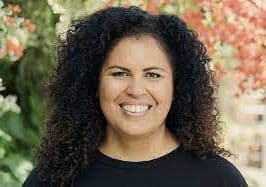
(135, 87)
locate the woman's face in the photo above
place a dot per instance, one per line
(136, 87)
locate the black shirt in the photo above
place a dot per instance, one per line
(178, 168)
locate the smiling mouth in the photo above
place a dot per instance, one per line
(134, 110)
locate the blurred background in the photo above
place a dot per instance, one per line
(234, 32)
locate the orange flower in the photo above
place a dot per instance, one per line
(31, 27)
(15, 49)
(109, 2)
(14, 8)
(220, 71)
(152, 8)
(10, 21)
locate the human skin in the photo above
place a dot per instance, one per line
(128, 137)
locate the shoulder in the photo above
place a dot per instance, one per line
(34, 180)
(214, 170)
(223, 169)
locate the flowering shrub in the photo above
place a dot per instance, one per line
(14, 32)
(237, 30)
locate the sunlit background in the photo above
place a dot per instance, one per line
(234, 32)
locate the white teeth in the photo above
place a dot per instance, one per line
(135, 108)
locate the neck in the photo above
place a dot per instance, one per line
(139, 148)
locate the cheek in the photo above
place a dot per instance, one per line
(109, 90)
(163, 92)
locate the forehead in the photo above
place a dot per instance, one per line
(138, 51)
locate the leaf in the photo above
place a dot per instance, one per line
(12, 125)
(7, 180)
(18, 165)
(1, 4)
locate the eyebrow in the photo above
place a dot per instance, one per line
(145, 69)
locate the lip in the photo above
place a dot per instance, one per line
(131, 113)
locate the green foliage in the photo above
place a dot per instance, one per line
(26, 79)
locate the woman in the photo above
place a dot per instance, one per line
(133, 104)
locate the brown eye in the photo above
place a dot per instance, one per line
(153, 75)
(120, 73)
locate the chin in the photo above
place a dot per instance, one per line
(138, 130)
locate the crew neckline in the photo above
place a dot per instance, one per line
(113, 162)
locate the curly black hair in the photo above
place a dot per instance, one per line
(76, 126)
